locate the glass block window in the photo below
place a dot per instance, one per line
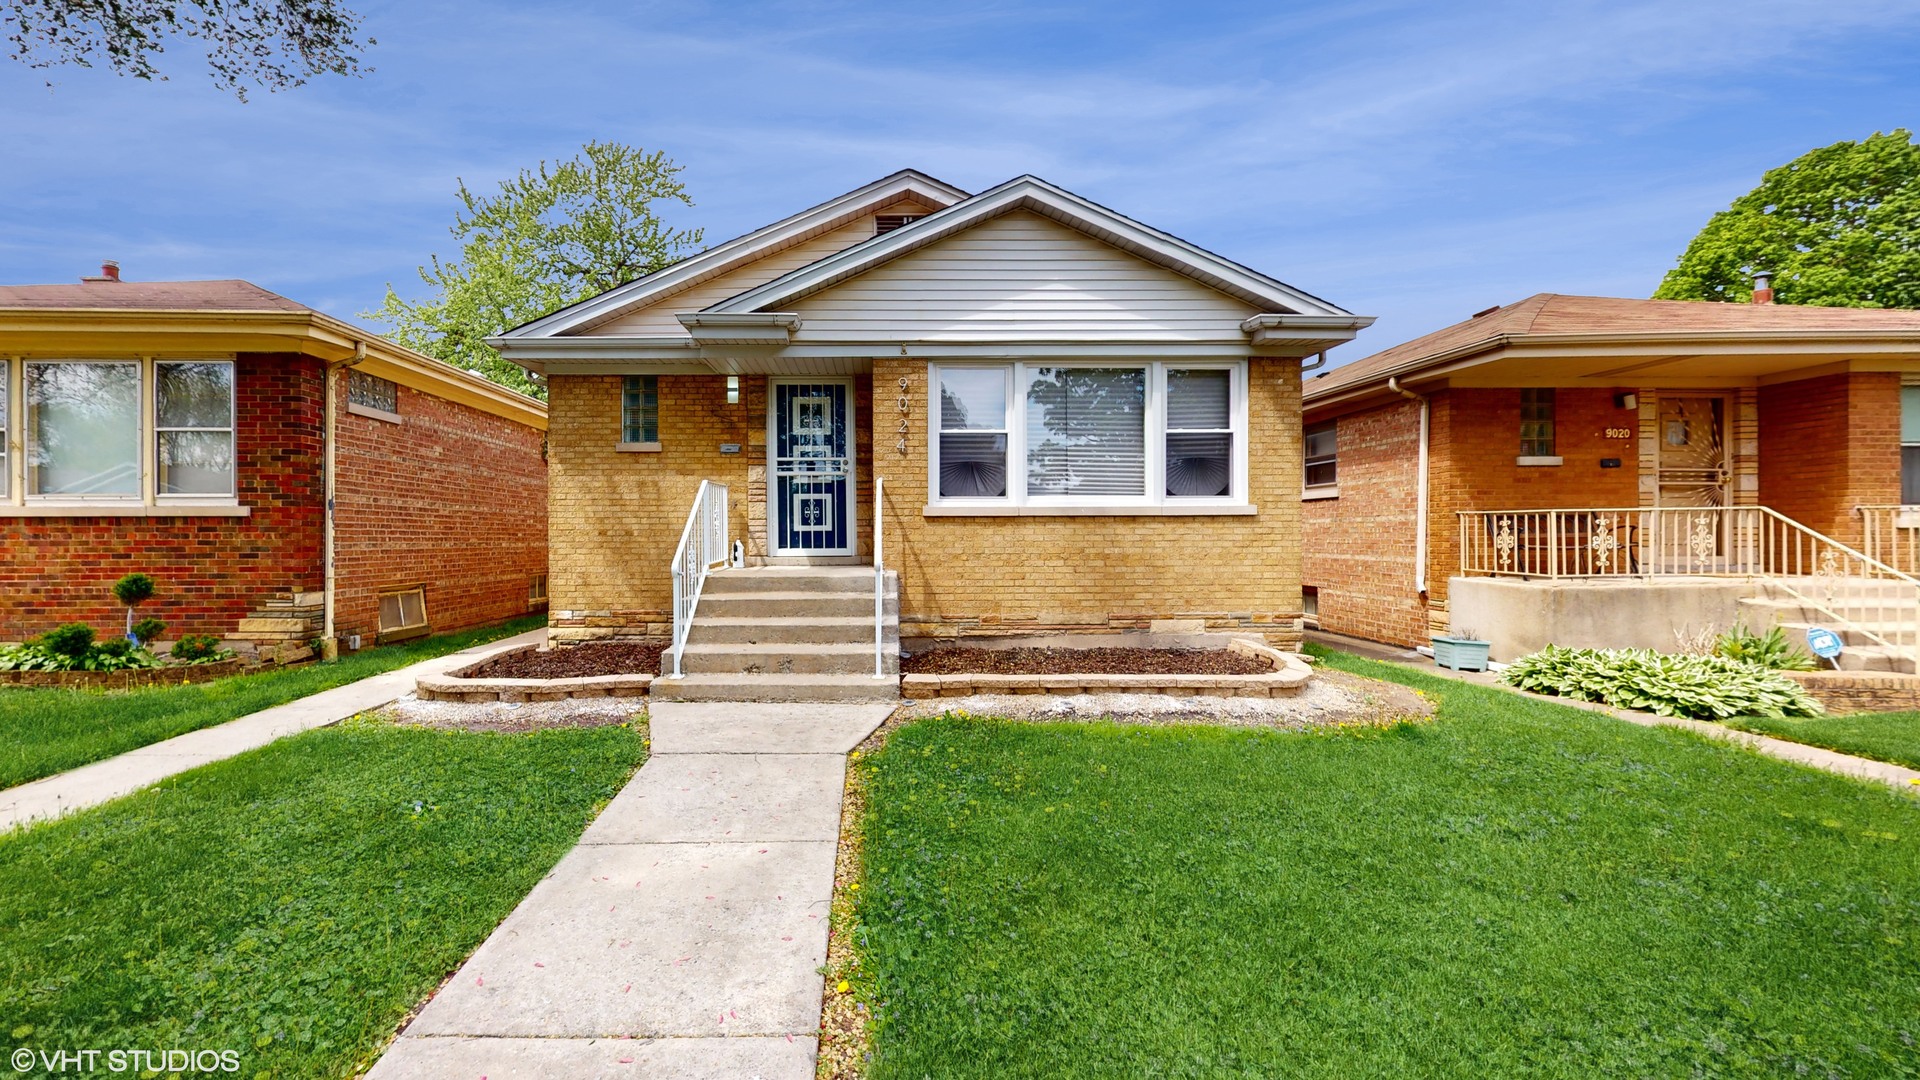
(1536, 422)
(372, 392)
(640, 409)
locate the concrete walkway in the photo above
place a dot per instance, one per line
(1799, 753)
(683, 937)
(91, 785)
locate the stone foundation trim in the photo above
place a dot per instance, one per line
(449, 688)
(1289, 674)
(126, 680)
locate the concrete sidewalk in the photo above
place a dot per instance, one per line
(91, 785)
(1799, 753)
(683, 937)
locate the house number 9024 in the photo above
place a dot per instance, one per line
(906, 406)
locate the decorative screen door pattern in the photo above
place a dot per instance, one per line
(812, 470)
(1693, 465)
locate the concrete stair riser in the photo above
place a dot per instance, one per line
(781, 631)
(793, 605)
(788, 634)
(856, 580)
(735, 687)
(834, 659)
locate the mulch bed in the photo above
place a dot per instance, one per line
(574, 662)
(953, 661)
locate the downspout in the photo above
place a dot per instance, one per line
(329, 641)
(1420, 498)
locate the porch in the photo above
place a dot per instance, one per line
(1669, 578)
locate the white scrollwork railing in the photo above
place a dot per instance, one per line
(1871, 597)
(703, 547)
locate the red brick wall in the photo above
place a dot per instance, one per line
(1829, 444)
(1360, 547)
(452, 498)
(211, 571)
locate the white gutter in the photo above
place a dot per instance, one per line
(1420, 499)
(329, 643)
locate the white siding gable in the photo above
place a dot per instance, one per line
(1020, 277)
(658, 317)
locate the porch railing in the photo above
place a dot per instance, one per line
(1891, 534)
(879, 578)
(1870, 600)
(703, 547)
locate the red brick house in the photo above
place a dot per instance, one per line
(186, 430)
(1613, 472)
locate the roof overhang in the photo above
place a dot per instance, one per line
(764, 329)
(1301, 335)
(88, 332)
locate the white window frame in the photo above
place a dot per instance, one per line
(16, 501)
(405, 630)
(1155, 498)
(232, 431)
(1331, 488)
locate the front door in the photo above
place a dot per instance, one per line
(810, 444)
(1693, 468)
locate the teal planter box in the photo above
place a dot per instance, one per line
(1461, 654)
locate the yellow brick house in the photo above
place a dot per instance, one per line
(1040, 416)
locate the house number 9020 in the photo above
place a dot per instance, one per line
(1619, 433)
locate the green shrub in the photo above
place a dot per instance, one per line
(1700, 687)
(71, 641)
(117, 654)
(199, 649)
(33, 656)
(114, 654)
(134, 589)
(148, 629)
(1770, 650)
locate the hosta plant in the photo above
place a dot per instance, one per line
(1700, 687)
(1769, 650)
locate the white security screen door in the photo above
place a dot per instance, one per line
(812, 449)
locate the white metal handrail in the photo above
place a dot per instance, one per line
(879, 577)
(1875, 601)
(1891, 534)
(703, 546)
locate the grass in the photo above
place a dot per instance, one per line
(1517, 888)
(43, 732)
(294, 903)
(1891, 737)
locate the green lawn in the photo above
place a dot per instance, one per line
(43, 732)
(1891, 737)
(1517, 889)
(293, 903)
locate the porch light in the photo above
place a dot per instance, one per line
(733, 389)
(1626, 401)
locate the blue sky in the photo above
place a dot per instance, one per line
(1414, 161)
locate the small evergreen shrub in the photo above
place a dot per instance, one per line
(1770, 650)
(148, 629)
(1699, 687)
(199, 649)
(71, 641)
(134, 589)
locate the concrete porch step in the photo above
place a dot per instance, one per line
(783, 630)
(808, 659)
(790, 579)
(772, 605)
(785, 687)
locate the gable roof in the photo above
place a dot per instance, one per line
(229, 294)
(1036, 195)
(738, 252)
(1546, 318)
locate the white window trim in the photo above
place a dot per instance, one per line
(15, 502)
(232, 429)
(1155, 501)
(1330, 490)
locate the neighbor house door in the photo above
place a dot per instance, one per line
(810, 452)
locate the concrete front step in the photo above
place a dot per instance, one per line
(837, 658)
(814, 579)
(786, 687)
(785, 630)
(793, 605)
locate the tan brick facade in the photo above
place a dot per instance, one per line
(616, 518)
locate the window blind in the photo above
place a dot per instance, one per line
(1086, 431)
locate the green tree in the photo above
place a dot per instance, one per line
(275, 43)
(1839, 226)
(551, 237)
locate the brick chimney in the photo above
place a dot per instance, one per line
(1763, 286)
(109, 272)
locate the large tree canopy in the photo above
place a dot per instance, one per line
(1839, 226)
(273, 43)
(553, 236)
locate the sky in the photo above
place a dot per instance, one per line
(1413, 161)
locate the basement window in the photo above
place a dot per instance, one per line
(886, 223)
(537, 592)
(640, 412)
(1310, 604)
(403, 614)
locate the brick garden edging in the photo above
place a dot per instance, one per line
(452, 687)
(1860, 691)
(125, 680)
(1288, 676)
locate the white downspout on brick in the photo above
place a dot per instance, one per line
(329, 641)
(1420, 499)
